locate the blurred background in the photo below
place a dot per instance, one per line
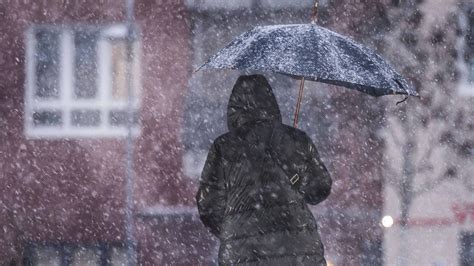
(105, 126)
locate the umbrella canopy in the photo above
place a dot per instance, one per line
(313, 53)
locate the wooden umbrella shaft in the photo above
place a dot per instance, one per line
(314, 19)
(314, 15)
(298, 104)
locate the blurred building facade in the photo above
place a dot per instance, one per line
(429, 144)
(63, 101)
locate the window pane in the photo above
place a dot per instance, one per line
(119, 60)
(469, 53)
(467, 249)
(119, 118)
(85, 63)
(86, 257)
(471, 70)
(47, 64)
(470, 30)
(119, 68)
(85, 117)
(47, 256)
(118, 257)
(47, 118)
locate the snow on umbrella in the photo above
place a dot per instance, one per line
(314, 53)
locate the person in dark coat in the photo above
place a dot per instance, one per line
(257, 181)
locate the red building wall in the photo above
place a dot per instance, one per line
(72, 190)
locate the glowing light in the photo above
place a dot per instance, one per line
(387, 221)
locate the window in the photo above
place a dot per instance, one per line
(76, 82)
(86, 256)
(72, 255)
(466, 46)
(372, 252)
(467, 248)
(47, 256)
(469, 52)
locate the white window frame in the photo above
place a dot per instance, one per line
(465, 87)
(114, 253)
(66, 102)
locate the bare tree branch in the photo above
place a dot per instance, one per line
(429, 185)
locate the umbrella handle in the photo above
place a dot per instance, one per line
(298, 104)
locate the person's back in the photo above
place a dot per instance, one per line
(256, 183)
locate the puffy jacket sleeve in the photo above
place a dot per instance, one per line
(316, 182)
(211, 196)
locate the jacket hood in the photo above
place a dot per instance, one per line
(252, 100)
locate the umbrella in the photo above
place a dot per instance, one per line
(311, 52)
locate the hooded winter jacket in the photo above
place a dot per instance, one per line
(257, 181)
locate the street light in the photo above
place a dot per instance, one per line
(387, 221)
